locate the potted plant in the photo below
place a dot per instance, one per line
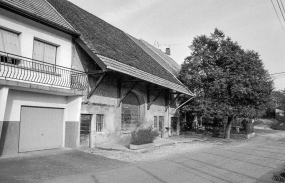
(143, 138)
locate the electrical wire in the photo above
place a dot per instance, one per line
(282, 6)
(277, 73)
(280, 10)
(277, 15)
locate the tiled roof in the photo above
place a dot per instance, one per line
(112, 43)
(132, 71)
(164, 63)
(169, 61)
(39, 10)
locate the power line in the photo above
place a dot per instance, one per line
(277, 15)
(280, 10)
(282, 6)
(277, 73)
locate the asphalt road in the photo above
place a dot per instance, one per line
(250, 162)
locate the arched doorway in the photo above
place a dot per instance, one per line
(130, 112)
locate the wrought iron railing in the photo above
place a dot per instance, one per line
(21, 68)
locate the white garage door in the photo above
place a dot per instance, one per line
(40, 128)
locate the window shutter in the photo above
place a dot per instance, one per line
(11, 42)
(49, 54)
(38, 50)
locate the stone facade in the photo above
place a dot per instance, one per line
(105, 100)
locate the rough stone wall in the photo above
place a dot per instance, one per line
(105, 100)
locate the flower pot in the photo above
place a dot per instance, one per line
(142, 146)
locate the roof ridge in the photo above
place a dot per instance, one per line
(159, 63)
(61, 16)
(165, 68)
(157, 53)
(153, 58)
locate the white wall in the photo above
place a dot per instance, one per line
(30, 29)
(17, 98)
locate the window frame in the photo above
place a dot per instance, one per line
(10, 58)
(101, 116)
(48, 43)
(155, 122)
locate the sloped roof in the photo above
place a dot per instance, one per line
(168, 60)
(41, 11)
(132, 71)
(115, 48)
(163, 62)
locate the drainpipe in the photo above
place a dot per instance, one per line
(3, 101)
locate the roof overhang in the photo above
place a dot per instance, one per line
(26, 14)
(140, 74)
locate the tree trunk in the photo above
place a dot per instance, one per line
(229, 127)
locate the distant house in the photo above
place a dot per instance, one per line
(86, 81)
(40, 94)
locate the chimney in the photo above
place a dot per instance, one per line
(167, 51)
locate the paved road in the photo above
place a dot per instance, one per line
(250, 162)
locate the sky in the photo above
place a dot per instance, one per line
(175, 23)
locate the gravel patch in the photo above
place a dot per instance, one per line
(151, 154)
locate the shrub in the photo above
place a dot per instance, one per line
(280, 126)
(143, 136)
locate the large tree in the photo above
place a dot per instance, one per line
(228, 81)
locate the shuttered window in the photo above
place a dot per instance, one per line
(9, 43)
(44, 52)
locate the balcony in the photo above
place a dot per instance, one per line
(18, 68)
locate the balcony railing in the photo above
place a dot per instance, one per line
(29, 70)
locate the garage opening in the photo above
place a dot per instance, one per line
(40, 128)
(130, 112)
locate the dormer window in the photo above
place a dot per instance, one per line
(44, 52)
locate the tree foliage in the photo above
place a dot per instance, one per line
(227, 80)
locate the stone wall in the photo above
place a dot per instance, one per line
(105, 100)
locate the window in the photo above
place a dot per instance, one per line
(99, 122)
(155, 122)
(9, 43)
(161, 122)
(44, 52)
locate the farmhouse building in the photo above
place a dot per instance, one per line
(67, 77)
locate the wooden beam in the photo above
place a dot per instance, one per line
(119, 86)
(96, 85)
(176, 93)
(120, 101)
(127, 81)
(149, 104)
(172, 102)
(96, 72)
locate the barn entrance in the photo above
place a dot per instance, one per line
(130, 112)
